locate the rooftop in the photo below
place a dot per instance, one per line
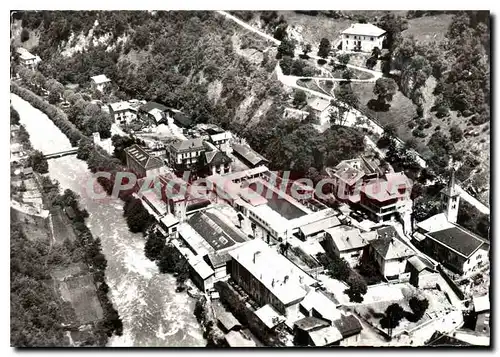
(348, 174)
(193, 144)
(364, 29)
(458, 239)
(325, 336)
(226, 318)
(391, 248)
(347, 238)
(215, 230)
(201, 268)
(217, 157)
(382, 190)
(119, 106)
(249, 154)
(319, 226)
(146, 161)
(152, 105)
(435, 223)
(348, 325)
(310, 323)
(100, 79)
(481, 303)
(280, 276)
(237, 339)
(322, 304)
(226, 135)
(318, 104)
(269, 316)
(419, 264)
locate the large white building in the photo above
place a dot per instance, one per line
(362, 37)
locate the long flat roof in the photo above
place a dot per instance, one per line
(279, 275)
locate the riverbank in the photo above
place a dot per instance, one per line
(153, 313)
(68, 267)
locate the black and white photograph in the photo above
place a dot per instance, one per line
(250, 178)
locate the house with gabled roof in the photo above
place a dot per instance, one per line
(345, 242)
(183, 154)
(390, 253)
(362, 37)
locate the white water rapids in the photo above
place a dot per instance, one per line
(153, 313)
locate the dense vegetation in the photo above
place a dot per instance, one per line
(36, 315)
(201, 54)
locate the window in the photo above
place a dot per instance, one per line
(347, 42)
(371, 38)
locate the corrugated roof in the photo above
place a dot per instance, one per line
(249, 154)
(364, 29)
(221, 136)
(458, 239)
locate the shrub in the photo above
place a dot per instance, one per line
(25, 35)
(418, 307)
(456, 133)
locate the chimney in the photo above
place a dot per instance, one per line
(285, 279)
(272, 283)
(255, 255)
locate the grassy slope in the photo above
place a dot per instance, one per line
(428, 28)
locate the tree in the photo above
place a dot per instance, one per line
(280, 33)
(357, 288)
(299, 99)
(286, 48)
(14, 116)
(306, 49)
(38, 162)
(376, 52)
(393, 25)
(456, 133)
(393, 315)
(25, 35)
(286, 64)
(54, 98)
(324, 48)
(385, 89)
(154, 245)
(344, 59)
(418, 307)
(345, 94)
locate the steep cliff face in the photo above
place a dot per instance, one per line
(197, 61)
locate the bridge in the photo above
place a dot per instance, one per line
(59, 154)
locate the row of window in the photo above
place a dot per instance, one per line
(361, 37)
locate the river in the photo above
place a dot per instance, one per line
(153, 313)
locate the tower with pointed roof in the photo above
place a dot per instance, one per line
(451, 199)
